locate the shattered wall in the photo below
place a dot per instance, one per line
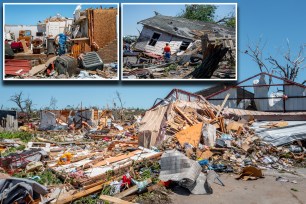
(145, 37)
(87, 116)
(105, 26)
(50, 119)
(16, 28)
(47, 120)
(150, 126)
(8, 120)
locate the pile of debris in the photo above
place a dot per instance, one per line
(182, 140)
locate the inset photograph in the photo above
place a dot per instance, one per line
(60, 41)
(179, 41)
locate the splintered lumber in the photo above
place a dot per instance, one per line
(233, 125)
(223, 104)
(45, 140)
(114, 199)
(24, 46)
(182, 114)
(79, 158)
(68, 198)
(110, 160)
(213, 55)
(118, 170)
(221, 122)
(191, 135)
(131, 190)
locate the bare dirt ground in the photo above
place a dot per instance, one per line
(263, 191)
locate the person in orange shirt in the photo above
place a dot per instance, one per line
(167, 52)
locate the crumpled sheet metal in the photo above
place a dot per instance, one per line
(296, 130)
(16, 189)
(177, 167)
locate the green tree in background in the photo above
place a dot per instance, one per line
(207, 13)
(199, 12)
(231, 22)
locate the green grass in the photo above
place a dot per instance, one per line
(46, 177)
(91, 199)
(13, 150)
(23, 136)
(171, 67)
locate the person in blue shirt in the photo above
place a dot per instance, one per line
(62, 40)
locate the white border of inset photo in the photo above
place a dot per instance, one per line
(207, 80)
(79, 80)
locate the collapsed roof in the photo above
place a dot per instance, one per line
(186, 28)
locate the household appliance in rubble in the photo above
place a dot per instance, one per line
(91, 61)
(50, 46)
(66, 65)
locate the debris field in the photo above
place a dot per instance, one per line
(90, 156)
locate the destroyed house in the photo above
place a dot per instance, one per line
(180, 33)
(61, 119)
(262, 92)
(96, 29)
(8, 120)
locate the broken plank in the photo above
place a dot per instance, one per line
(101, 161)
(115, 159)
(68, 198)
(114, 199)
(223, 104)
(37, 69)
(182, 114)
(24, 46)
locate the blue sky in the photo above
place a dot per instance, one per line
(273, 20)
(15, 14)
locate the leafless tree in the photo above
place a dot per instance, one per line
(291, 66)
(121, 105)
(25, 105)
(288, 66)
(28, 106)
(53, 103)
(255, 51)
(17, 98)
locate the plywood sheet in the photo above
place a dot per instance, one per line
(104, 26)
(190, 135)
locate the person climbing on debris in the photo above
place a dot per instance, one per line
(63, 38)
(167, 52)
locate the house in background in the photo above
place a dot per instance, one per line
(180, 33)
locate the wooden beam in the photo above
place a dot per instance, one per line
(182, 113)
(110, 160)
(223, 104)
(114, 199)
(68, 198)
(24, 45)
